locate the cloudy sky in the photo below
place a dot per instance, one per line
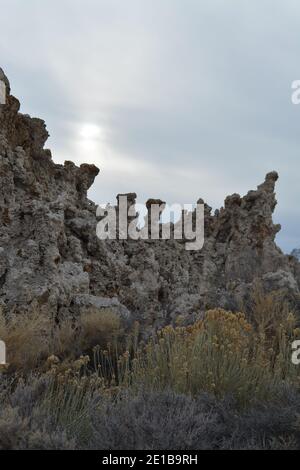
(177, 99)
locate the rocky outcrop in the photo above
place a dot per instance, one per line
(50, 254)
(296, 253)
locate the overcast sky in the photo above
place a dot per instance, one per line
(177, 99)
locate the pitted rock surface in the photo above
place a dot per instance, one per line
(50, 254)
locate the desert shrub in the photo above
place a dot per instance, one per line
(24, 422)
(100, 329)
(220, 354)
(221, 383)
(48, 405)
(166, 420)
(269, 313)
(33, 337)
(68, 397)
(66, 411)
(151, 420)
(273, 425)
(93, 327)
(26, 433)
(27, 338)
(275, 327)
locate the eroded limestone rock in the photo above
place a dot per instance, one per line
(49, 252)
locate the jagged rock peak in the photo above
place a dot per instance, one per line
(22, 141)
(4, 78)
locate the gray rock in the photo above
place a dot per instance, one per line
(50, 254)
(296, 253)
(84, 302)
(280, 280)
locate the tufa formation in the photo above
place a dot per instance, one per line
(51, 258)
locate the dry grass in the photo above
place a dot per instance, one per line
(100, 332)
(270, 311)
(93, 328)
(30, 339)
(27, 338)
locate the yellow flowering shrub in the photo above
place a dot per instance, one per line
(222, 354)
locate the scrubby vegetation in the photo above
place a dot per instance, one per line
(227, 381)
